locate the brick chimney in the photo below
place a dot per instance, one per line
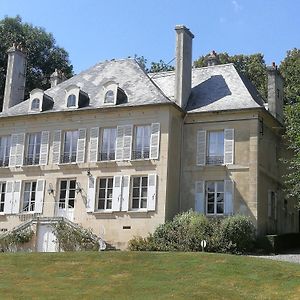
(275, 92)
(15, 77)
(183, 69)
(56, 78)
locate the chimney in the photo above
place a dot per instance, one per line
(56, 78)
(183, 70)
(212, 59)
(275, 92)
(15, 77)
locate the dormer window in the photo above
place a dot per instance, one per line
(35, 104)
(71, 102)
(109, 97)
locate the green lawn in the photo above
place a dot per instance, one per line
(140, 275)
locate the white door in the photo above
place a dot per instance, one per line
(67, 191)
(46, 240)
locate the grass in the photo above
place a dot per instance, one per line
(140, 275)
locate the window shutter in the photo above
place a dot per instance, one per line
(91, 194)
(201, 147)
(127, 142)
(39, 196)
(154, 140)
(151, 197)
(228, 146)
(16, 197)
(119, 143)
(199, 197)
(94, 141)
(269, 203)
(56, 147)
(44, 148)
(125, 193)
(275, 206)
(228, 187)
(9, 197)
(13, 150)
(20, 149)
(81, 145)
(117, 193)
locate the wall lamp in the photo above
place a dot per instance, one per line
(78, 188)
(50, 189)
(88, 173)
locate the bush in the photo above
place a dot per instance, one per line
(12, 241)
(185, 232)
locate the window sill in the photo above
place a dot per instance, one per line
(104, 212)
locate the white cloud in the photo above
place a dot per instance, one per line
(236, 6)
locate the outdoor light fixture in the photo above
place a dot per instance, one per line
(78, 188)
(50, 189)
(88, 173)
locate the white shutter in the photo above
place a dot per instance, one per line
(228, 146)
(13, 150)
(9, 197)
(151, 198)
(44, 148)
(94, 136)
(228, 187)
(56, 147)
(20, 149)
(16, 197)
(39, 196)
(117, 193)
(125, 193)
(201, 147)
(127, 142)
(154, 140)
(80, 156)
(269, 203)
(200, 197)
(119, 143)
(91, 194)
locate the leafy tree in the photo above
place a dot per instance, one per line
(155, 67)
(252, 66)
(43, 55)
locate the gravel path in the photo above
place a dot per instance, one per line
(292, 256)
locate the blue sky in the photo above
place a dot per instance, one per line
(93, 31)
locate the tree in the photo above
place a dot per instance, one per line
(43, 55)
(252, 66)
(155, 67)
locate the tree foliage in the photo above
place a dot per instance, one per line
(252, 66)
(155, 67)
(43, 54)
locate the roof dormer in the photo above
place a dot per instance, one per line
(75, 97)
(112, 94)
(39, 101)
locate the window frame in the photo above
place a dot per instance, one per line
(4, 160)
(71, 96)
(110, 155)
(214, 159)
(140, 197)
(33, 101)
(67, 194)
(2, 196)
(106, 198)
(215, 199)
(69, 156)
(139, 154)
(31, 202)
(35, 160)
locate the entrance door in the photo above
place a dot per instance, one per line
(46, 240)
(66, 199)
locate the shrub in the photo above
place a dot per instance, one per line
(12, 241)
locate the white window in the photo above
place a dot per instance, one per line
(71, 101)
(70, 146)
(33, 149)
(105, 195)
(2, 195)
(35, 104)
(215, 197)
(142, 135)
(109, 97)
(108, 144)
(139, 192)
(215, 148)
(5, 143)
(67, 194)
(29, 195)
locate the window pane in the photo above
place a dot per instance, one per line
(63, 184)
(220, 186)
(210, 208)
(220, 208)
(102, 183)
(101, 204)
(135, 203)
(136, 181)
(210, 186)
(72, 184)
(144, 203)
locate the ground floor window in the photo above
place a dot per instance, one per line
(214, 197)
(105, 194)
(139, 192)
(2, 195)
(29, 195)
(67, 193)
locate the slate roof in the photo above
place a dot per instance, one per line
(139, 88)
(214, 88)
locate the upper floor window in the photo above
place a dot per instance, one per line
(109, 97)
(215, 197)
(33, 149)
(139, 192)
(108, 144)
(2, 195)
(71, 101)
(141, 147)
(29, 195)
(70, 146)
(35, 104)
(105, 195)
(5, 143)
(215, 148)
